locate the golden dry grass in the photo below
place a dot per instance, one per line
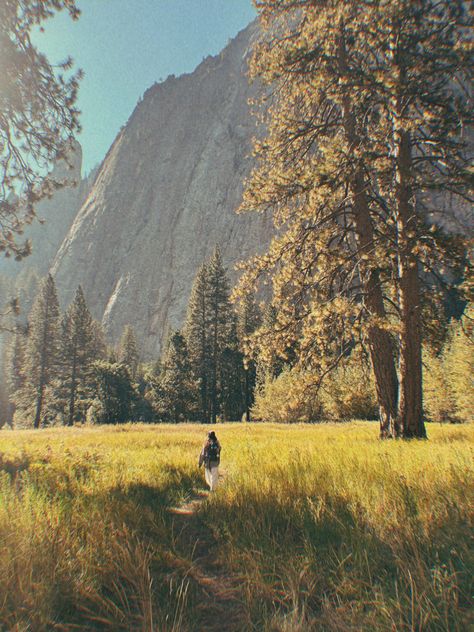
(329, 528)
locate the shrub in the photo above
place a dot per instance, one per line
(294, 396)
(289, 398)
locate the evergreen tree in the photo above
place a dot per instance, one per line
(128, 351)
(220, 328)
(78, 352)
(115, 395)
(232, 375)
(423, 72)
(211, 338)
(196, 333)
(38, 118)
(15, 360)
(249, 319)
(458, 359)
(345, 160)
(42, 349)
(14, 367)
(175, 386)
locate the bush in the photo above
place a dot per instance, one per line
(289, 398)
(349, 392)
(447, 386)
(346, 393)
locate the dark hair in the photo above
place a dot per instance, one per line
(212, 435)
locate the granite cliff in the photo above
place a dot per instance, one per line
(164, 196)
(54, 219)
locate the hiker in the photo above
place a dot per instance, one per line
(211, 456)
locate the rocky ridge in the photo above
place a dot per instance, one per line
(164, 197)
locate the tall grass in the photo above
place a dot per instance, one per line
(329, 528)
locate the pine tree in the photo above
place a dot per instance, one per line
(42, 349)
(128, 353)
(249, 319)
(14, 367)
(232, 375)
(38, 117)
(341, 171)
(220, 327)
(15, 360)
(210, 333)
(78, 352)
(423, 72)
(175, 386)
(115, 395)
(196, 333)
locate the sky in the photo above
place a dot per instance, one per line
(124, 46)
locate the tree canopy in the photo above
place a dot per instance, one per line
(38, 116)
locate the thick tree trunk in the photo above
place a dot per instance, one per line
(410, 407)
(379, 340)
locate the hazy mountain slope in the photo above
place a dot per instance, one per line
(54, 219)
(165, 195)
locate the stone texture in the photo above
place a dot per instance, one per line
(164, 196)
(54, 219)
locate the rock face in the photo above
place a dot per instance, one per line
(164, 196)
(54, 219)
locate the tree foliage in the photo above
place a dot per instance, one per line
(42, 352)
(38, 117)
(175, 391)
(128, 353)
(79, 351)
(366, 114)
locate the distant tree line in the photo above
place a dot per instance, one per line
(59, 369)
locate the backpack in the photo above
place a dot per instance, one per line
(213, 452)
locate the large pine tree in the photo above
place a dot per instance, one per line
(196, 333)
(78, 352)
(221, 331)
(42, 349)
(211, 338)
(423, 79)
(175, 389)
(331, 172)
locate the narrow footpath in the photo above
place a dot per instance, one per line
(221, 608)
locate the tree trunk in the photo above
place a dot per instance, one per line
(72, 394)
(410, 407)
(43, 360)
(247, 395)
(39, 404)
(214, 367)
(379, 340)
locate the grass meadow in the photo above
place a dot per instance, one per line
(324, 526)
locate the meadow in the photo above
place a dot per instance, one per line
(314, 527)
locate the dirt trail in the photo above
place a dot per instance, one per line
(221, 608)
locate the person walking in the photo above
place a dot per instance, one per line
(211, 457)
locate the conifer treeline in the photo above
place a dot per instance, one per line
(60, 370)
(202, 374)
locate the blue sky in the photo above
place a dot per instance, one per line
(124, 46)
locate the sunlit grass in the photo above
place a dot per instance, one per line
(329, 528)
